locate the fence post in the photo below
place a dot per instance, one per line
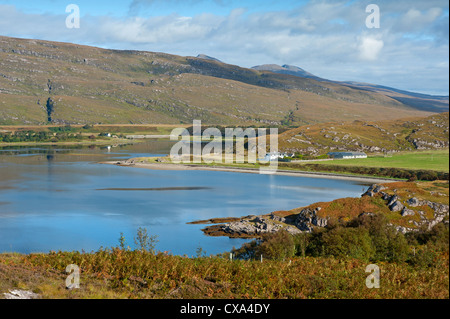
(261, 258)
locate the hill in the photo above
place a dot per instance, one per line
(419, 101)
(63, 83)
(287, 69)
(427, 133)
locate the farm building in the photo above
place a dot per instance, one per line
(347, 155)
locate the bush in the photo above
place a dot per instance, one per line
(278, 245)
(437, 236)
(274, 246)
(387, 243)
(348, 242)
(368, 237)
(425, 257)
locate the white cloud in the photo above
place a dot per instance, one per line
(417, 20)
(328, 38)
(370, 48)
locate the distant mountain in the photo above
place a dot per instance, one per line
(419, 101)
(425, 102)
(287, 69)
(207, 57)
(45, 82)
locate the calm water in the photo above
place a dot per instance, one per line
(57, 198)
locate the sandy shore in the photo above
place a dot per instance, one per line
(182, 167)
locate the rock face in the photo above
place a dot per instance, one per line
(257, 225)
(396, 206)
(407, 212)
(414, 202)
(425, 145)
(373, 190)
(308, 218)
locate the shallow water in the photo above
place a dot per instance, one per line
(60, 198)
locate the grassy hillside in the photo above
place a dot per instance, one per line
(69, 83)
(420, 101)
(369, 136)
(131, 274)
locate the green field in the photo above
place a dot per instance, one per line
(426, 160)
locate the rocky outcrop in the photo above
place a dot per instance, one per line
(252, 226)
(395, 204)
(427, 145)
(373, 190)
(407, 212)
(307, 219)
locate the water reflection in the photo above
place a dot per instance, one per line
(52, 200)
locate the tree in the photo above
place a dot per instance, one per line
(50, 106)
(145, 242)
(346, 241)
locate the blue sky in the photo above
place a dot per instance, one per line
(146, 8)
(328, 38)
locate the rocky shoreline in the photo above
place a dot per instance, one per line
(419, 213)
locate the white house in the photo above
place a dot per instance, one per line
(275, 156)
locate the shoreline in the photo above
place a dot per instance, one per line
(180, 167)
(69, 143)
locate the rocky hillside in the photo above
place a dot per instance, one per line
(367, 136)
(61, 83)
(408, 206)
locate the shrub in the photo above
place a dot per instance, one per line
(144, 241)
(302, 242)
(351, 242)
(278, 245)
(275, 246)
(387, 243)
(425, 257)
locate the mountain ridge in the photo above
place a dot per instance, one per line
(433, 103)
(77, 84)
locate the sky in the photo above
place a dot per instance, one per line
(334, 39)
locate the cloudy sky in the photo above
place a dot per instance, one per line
(329, 38)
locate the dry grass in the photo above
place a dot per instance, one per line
(122, 274)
